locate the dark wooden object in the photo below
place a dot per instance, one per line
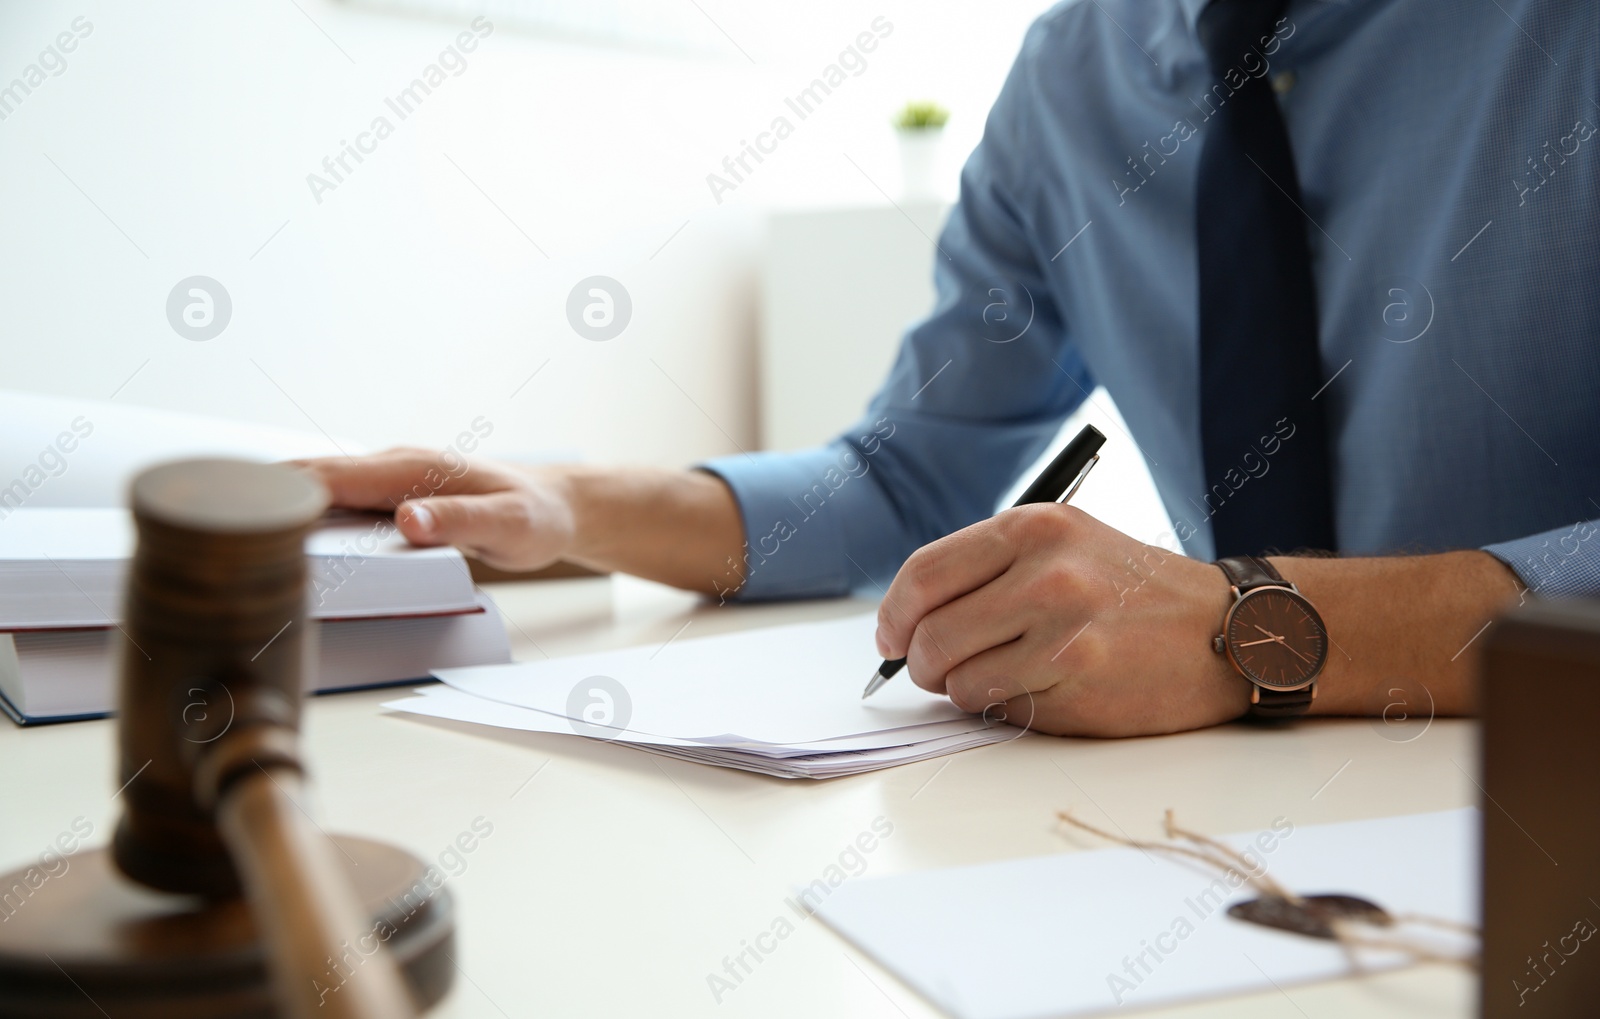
(483, 573)
(1541, 813)
(142, 954)
(243, 906)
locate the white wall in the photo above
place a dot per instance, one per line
(405, 304)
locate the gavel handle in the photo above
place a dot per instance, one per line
(324, 952)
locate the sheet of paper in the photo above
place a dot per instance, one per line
(1113, 930)
(782, 684)
(835, 765)
(448, 702)
(850, 755)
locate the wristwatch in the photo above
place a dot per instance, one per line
(1273, 636)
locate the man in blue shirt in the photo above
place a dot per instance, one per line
(1443, 163)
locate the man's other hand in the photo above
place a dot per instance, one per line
(509, 517)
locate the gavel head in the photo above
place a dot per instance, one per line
(215, 616)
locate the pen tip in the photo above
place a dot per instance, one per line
(877, 680)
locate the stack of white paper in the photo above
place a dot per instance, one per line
(783, 701)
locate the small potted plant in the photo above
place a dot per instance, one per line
(920, 126)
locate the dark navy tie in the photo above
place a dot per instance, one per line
(1263, 439)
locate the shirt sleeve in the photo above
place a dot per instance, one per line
(977, 390)
(1563, 563)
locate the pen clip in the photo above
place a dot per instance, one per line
(1081, 475)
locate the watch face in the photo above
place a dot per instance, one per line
(1276, 639)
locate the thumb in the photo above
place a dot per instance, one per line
(495, 528)
(464, 520)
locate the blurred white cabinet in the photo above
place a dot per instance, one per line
(838, 288)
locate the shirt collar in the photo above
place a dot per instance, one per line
(1191, 13)
(1192, 8)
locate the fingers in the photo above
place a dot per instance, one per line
(935, 574)
(986, 681)
(1022, 673)
(495, 528)
(418, 522)
(952, 633)
(385, 480)
(488, 511)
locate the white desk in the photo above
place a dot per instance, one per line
(614, 882)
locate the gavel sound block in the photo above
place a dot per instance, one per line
(220, 896)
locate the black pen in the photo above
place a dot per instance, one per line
(1055, 484)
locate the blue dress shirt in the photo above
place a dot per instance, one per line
(1449, 161)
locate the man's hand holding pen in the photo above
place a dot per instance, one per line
(1050, 619)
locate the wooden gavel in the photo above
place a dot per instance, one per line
(288, 921)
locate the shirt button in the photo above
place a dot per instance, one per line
(1283, 82)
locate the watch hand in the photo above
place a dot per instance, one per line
(1273, 638)
(1291, 647)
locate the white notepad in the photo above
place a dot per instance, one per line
(1114, 930)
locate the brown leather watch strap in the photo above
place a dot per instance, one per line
(1247, 572)
(1282, 703)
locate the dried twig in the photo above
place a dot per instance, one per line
(1350, 933)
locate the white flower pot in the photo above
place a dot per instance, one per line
(920, 163)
